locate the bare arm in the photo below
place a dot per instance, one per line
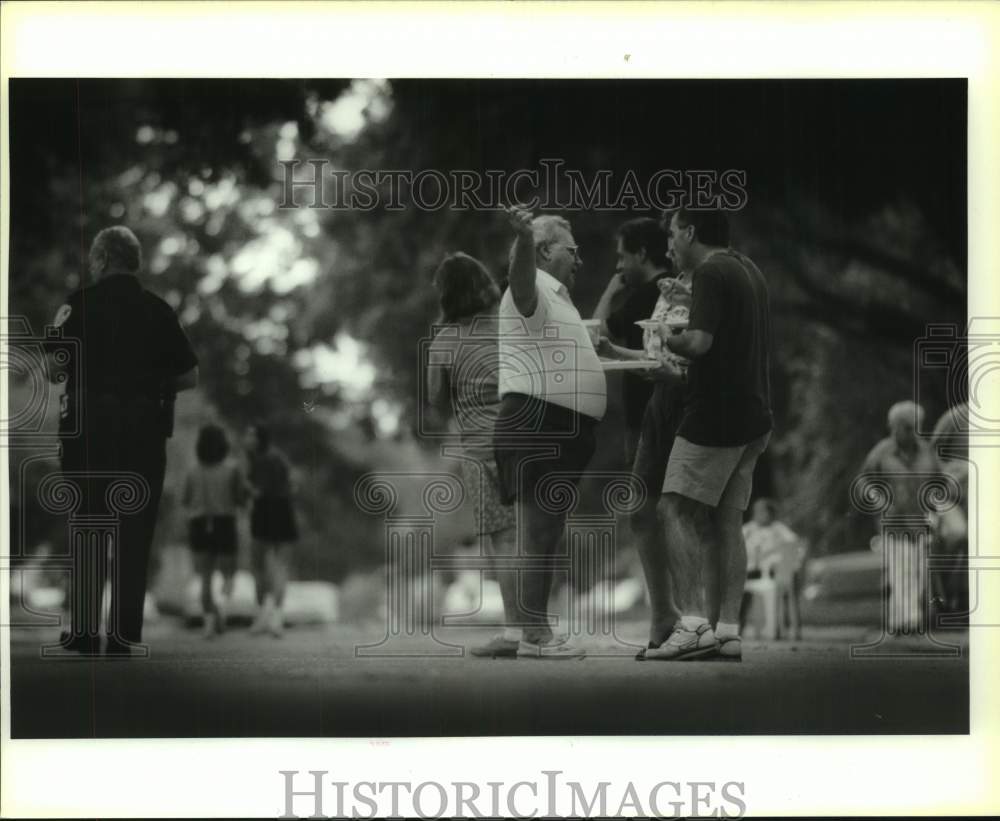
(609, 350)
(436, 408)
(521, 278)
(605, 304)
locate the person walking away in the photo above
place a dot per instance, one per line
(272, 527)
(214, 490)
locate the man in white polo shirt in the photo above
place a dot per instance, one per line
(553, 394)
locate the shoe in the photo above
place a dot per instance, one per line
(730, 649)
(496, 648)
(260, 623)
(91, 645)
(117, 648)
(221, 618)
(553, 650)
(276, 625)
(641, 655)
(686, 644)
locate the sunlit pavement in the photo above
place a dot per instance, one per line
(312, 683)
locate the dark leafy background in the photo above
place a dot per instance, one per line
(856, 213)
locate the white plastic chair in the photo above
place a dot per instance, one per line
(776, 587)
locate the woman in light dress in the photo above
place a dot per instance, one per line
(462, 384)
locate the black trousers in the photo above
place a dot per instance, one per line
(120, 437)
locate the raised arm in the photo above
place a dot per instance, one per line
(521, 277)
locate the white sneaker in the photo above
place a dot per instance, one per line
(553, 650)
(686, 644)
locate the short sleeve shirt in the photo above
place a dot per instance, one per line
(907, 472)
(728, 396)
(549, 355)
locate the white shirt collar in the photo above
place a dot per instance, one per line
(546, 279)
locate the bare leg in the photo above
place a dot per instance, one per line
(651, 536)
(260, 575)
(205, 565)
(732, 562)
(277, 560)
(688, 540)
(713, 580)
(227, 566)
(503, 543)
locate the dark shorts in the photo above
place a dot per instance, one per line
(272, 520)
(533, 439)
(214, 535)
(659, 429)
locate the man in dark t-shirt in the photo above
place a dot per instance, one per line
(724, 429)
(127, 359)
(631, 295)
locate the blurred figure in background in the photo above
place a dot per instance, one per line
(272, 526)
(770, 544)
(951, 527)
(214, 490)
(905, 461)
(462, 378)
(765, 535)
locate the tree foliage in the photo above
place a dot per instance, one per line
(310, 317)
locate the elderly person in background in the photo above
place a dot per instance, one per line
(905, 461)
(951, 527)
(553, 394)
(462, 381)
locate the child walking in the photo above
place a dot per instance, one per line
(214, 490)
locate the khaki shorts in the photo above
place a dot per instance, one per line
(717, 477)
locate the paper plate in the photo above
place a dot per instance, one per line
(628, 364)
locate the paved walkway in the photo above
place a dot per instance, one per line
(311, 683)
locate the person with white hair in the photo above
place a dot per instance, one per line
(905, 461)
(122, 357)
(552, 395)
